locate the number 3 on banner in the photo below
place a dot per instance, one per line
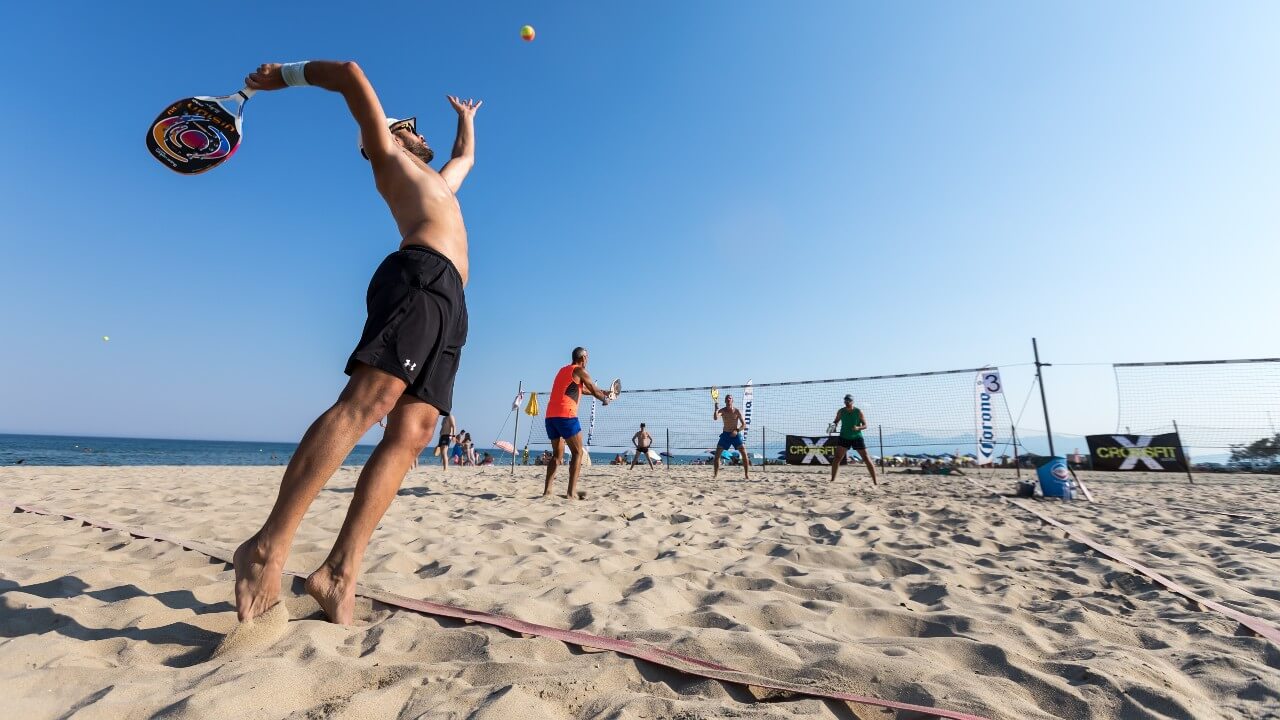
(991, 382)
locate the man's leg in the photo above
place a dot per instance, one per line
(557, 452)
(369, 395)
(715, 463)
(841, 451)
(634, 458)
(746, 460)
(575, 465)
(871, 468)
(409, 427)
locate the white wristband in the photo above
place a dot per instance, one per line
(294, 74)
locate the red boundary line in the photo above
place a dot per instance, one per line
(658, 656)
(1254, 623)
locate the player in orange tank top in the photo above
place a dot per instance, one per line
(562, 418)
(566, 390)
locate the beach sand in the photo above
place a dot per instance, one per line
(922, 590)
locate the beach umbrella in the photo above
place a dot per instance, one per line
(504, 446)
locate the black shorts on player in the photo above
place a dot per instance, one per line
(857, 443)
(417, 324)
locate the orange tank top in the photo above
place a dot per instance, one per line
(565, 392)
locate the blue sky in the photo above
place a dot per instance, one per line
(677, 186)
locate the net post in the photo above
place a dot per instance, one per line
(1017, 466)
(1044, 404)
(880, 432)
(515, 432)
(1185, 456)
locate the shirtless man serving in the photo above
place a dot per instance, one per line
(404, 364)
(731, 436)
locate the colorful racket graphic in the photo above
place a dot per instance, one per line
(198, 133)
(615, 389)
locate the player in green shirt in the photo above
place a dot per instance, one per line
(852, 423)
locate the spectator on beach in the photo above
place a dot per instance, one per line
(642, 441)
(448, 426)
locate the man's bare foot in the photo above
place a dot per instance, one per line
(337, 597)
(257, 579)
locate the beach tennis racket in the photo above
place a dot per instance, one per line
(615, 389)
(715, 394)
(196, 134)
(831, 429)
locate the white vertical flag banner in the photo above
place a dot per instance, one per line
(748, 396)
(591, 427)
(986, 386)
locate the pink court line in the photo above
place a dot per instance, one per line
(655, 655)
(1252, 622)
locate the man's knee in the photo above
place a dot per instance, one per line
(371, 394)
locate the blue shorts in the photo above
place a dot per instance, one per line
(728, 440)
(562, 428)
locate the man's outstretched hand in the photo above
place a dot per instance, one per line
(266, 77)
(466, 108)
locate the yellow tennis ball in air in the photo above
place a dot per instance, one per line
(527, 33)
(105, 338)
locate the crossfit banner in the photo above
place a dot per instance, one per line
(808, 450)
(1154, 453)
(748, 397)
(986, 387)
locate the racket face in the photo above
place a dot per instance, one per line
(196, 134)
(615, 388)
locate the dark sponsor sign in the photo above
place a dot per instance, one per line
(1145, 453)
(810, 450)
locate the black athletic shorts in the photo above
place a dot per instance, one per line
(852, 444)
(417, 324)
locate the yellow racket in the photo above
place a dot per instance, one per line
(715, 394)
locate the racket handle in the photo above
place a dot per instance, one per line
(247, 92)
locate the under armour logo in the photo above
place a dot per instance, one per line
(410, 365)
(1134, 458)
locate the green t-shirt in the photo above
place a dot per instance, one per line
(850, 419)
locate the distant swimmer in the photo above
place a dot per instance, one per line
(731, 435)
(852, 423)
(642, 440)
(403, 366)
(561, 422)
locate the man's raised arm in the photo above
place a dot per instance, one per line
(341, 77)
(590, 386)
(464, 146)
